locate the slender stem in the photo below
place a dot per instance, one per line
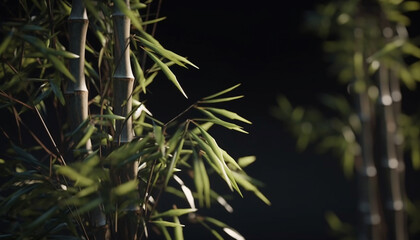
(126, 226)
(76, 92)
(370, 224)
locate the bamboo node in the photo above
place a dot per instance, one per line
(392, 163)
(371, 171)
(396, 205)
(373, 219)
(386, 100)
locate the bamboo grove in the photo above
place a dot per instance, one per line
(83, 157)
(373, 55)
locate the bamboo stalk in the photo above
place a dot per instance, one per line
(392, 164)
(123, 80)
(77, 95)
(76, 92)
(369, 205)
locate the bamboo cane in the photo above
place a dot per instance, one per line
(391, 162)
(392, 159)
(123, 80)
(77, 94)
(369, 206)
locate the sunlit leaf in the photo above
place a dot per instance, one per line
(125, 188)
(178, 232)
(212, 118)
(173, 162)
(221, 92)
(174, 213)
(228, 114)
(72, 174)
(214, 159)
(136, 21)
(233, 233)
(245, 161)
(167, 223)
(169, 74)
(187, 192)
(126, 151)
(138, 72)
(6, 41)
(218, 100)
(241, 180)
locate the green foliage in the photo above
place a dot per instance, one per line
(55, 185)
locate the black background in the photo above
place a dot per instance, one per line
(264, 46)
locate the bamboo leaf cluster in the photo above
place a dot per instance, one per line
(84, 157)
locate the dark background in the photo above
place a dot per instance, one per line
(264, 46)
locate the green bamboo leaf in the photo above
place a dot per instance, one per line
(218, 100)
(135, 20)
(218, 163)
(138, 5)
(6, 41)
(406, 77)
(41, 220)
(410, 6)
(109, 117)
(74, 175)
(125, 188)
(230, 160)
(27, 157)
(173, 163)
(228, 114)
(219, 121)
(126, 151)
(89, 206)
(169, 74)
(138, 72)
(216, 222)
(415, 70)
(10, 200)
(55, 86)
(87, 191)
(59, 65)
(241, 180)
(214, 232)
(246, 161)
(153, 21)
(221, 92)
(387, 49)
(411, 49)
(161, 51)
(201, 180)
(174, 213)
(206, 126)
(179, 235)
(211, 142)
(167, 223)
(90, 130)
